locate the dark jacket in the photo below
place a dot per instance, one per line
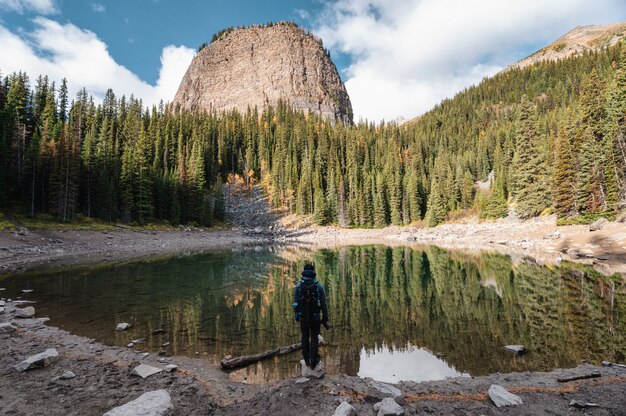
(309, 276)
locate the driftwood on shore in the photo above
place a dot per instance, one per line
(229, 363)
(594, 374)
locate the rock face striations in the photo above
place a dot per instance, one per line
(260, 65)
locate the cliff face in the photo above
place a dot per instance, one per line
(575, 42)
(258, 66)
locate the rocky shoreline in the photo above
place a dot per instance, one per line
(89, 378)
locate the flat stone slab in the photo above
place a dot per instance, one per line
(388, 407)
(152, 403)
(308, 372)
(516, 349)
(345, 409)
(7, 328)
(501, 397)
(385, 388)
(123, 326)
(43, 359)
(143, 370)
(27, 312)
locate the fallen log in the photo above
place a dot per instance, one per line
(228, 363)
(595, 374)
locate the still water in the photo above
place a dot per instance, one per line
(399, 313)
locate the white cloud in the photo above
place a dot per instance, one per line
(38, 6)
(66, 51)
(98, 8)
(407, 55)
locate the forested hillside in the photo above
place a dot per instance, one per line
(553, 134)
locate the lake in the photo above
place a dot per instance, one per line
(399, 313)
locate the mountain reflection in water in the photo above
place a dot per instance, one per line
(463, 308)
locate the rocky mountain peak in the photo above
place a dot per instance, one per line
(257, 66)
(576, 42)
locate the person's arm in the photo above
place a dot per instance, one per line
(323, 303)
(296, 296)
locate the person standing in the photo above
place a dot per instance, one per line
(311, 310)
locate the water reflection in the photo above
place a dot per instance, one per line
(462, 308)
(393, 365)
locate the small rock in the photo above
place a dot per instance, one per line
(158, 331)
(165, 344)
(581, 404)
(2, 303)
(606, 363)
(388, 407)
(7, 328)
(27, 291)
(171, 368)
(517, 349)
(302, 380)
(27, 312)
(145, 354)
(345, 409)
(43, 359)
(385, 388)
(598, 225)
(317, 372)
(620, 218)
(573, 253)
(333, 392)
(152, 403)
(130, 345)
(501, 397)
(67, 375)
(143, 370)
(123, 326)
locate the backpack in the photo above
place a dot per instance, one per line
(309, 305)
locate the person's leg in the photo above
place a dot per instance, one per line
(315, 332)
(306, 351)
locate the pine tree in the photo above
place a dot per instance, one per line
(564, 177)
(436, 207)
(529, 165)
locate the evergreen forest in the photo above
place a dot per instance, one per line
(549, 138)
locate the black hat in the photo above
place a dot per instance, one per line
(309, 266)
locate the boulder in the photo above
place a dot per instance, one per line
(7, 328)
(385, 388)
(308, 372)
(123, 326)
(501, 397)
(43, 359)
(388, 407)
(152, 403)
(345, 409)
(27, 312)
(598, 225)
(67, 375)
(143, 370)
(516, 349)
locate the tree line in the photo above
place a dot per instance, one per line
(551, 136)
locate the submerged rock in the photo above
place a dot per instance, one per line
(501, 397)
(27, 312)
(143, 370)
(123, 326)
(388, 407)
(152, 403)
(345, 409)
(43, 359)
(308, 372)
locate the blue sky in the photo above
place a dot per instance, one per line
(397, 57)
